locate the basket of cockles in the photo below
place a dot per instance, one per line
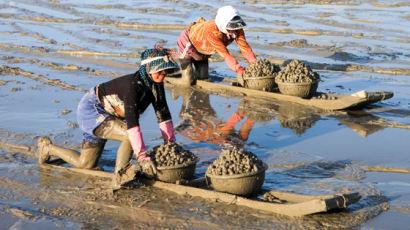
(297, 79)
(173, 163)
(237, 172)
(260, 75)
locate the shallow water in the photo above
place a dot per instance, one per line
(51, 52)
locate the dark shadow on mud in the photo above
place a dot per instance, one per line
(349, 57)
(314, 170)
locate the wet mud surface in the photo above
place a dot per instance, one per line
(52, 52)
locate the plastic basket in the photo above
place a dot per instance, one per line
(240, 184)
(172, 174)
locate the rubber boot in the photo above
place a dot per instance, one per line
(115, 129)
(202, 69)
(42, 149)
(90, 153)
(187, 78)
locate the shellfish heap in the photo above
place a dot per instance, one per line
(297, 72)
(299, 127)
(171, 154)
(235, 161)
(261, 68)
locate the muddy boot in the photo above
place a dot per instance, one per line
(201, 69)
(187, 78)
(90, 153)
(116, 129)
(124, 172)
(42, 149)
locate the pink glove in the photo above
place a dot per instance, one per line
(234, 65)
(137, 143)
(250, 56)
(167, 130)
(147, 164)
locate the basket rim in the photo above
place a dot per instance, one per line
(295, 83)
(178, 166)
(265, 167)
(259, 78)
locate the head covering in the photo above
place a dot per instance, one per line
(227, 15)
(158, 59)
(155, 60)
(236, 23)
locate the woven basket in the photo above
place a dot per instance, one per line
(260, 83)
(303, 89)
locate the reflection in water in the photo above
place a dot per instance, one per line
(361, 122)
(201, 123)
(291, 116)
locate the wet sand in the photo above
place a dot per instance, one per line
(51, 52)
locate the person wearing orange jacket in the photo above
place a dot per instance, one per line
(203, 38)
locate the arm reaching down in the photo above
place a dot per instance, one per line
(137, 143)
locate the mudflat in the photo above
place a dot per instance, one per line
(52, 52)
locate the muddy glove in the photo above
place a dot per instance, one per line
(167, 130)
(239, 79)
(147, 164)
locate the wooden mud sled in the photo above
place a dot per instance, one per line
(289, 204)
(325, 101)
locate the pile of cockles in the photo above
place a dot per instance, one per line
(171, 154)
(297, 72)
(261, 68)
(235, 161)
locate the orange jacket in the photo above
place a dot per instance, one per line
(207, 39)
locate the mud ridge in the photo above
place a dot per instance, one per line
(14, 71)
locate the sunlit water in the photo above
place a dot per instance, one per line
(353, 45)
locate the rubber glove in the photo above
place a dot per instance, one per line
(249, 56)
(140, 151)
(137, 143)
(240, 80)
(233, 64)
(147, 164)
(167, 130)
